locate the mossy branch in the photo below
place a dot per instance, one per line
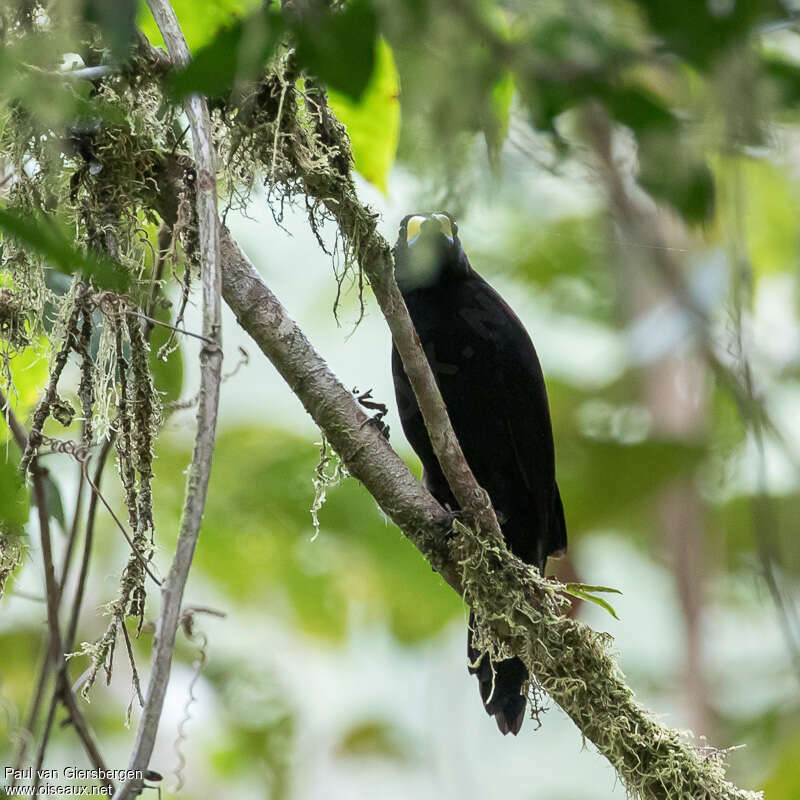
(517, 612)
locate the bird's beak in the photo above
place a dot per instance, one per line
(420, 227)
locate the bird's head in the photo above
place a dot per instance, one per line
(428, 249)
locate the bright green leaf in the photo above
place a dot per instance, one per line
(580, 591)
(759, 203)
(199, 26)
(237, 53)
(497, 128)
(585, 587)
(340, 47)
(373, 123)
(15, 502)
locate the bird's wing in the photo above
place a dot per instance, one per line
(521, 400)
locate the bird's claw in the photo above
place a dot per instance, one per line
(365, 399)
(377, 421)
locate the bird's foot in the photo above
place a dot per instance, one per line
(365, 399)
(377, 422)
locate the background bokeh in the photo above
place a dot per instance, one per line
(339, 668)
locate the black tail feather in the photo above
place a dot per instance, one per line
(501, 686)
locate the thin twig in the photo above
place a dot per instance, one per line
(164, 242)
(66, 562)
(63, 691)
(81, 74)
(88, 541)
(26, 733)
(45, 740)
(211, 367)
(154, 321)
(45, 663)
(132, 660)
(125, 533)
(17, 431)
(21, 439)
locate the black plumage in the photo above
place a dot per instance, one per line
(489, 375)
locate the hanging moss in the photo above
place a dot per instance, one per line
(99, 173)
(10, 558)
(13, 319)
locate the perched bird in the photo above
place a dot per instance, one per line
(491, 382)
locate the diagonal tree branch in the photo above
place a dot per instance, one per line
(211, 363)
(570, 661)
(358, 225)
(367, 454)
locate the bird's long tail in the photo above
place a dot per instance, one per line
(501, 685)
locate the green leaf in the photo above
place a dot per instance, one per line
(14, 508)
(373, 123)
(199, 25)
(240, 50)
(44, 235)
(786, 77)
(758, 200)
(583, 592)
(339, 47)
(496, 128)
(585, 587)
(237, 53)
(686, 185)
(637, 108)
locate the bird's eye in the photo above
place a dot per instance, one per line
(413, 227)
(444, 224)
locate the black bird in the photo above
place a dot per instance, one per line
(489, 376)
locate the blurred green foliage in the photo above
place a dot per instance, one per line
(371, 739)
(45, 236)
(358, 564)
(200, 22)
(373, 121)
(473, 104)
